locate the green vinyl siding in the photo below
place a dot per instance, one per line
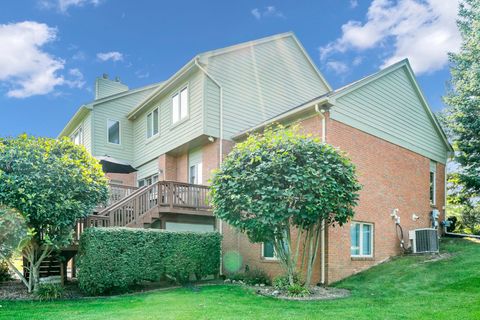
(170, 135)
(116, 109)
(391, 108)
(87, 132)
(259, 82)
(212, 108)
(105, 88)
(147, 169)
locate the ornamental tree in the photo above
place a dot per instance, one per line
(281, 186)
(463, 112)
(53, 184)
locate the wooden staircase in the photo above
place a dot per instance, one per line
(143, 206)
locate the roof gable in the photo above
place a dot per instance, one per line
(390, 104)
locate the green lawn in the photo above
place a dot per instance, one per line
(406, 288)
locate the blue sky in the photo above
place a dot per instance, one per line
(52, 50)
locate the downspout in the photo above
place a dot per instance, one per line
(322, 236)
(220, 153)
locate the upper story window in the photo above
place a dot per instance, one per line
(152, 123)
(77, 137)
(180, 105)
(433, 183)
(361, 237)
(113, 131)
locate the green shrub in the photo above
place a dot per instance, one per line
(49, 291)
(282, 283)
(4, 272)
(115, 259)
(252, 277)
(257, 276)
(297, 290)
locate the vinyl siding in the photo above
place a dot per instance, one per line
(147, 169)
(212, 108)
(260, 82)
(116, 109)
(171, 135)
(105, 88)
(87, 132)
(391, 108)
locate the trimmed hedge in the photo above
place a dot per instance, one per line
(115, 259)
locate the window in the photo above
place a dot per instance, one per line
(361, 235)
(77, 137)
(432, 188)
(180, 105)
(268, 251)
(148, 180)
(195, 173)
(113, 128)
(152, 123)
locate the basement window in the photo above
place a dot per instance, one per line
(180, 105)
(268, 251)
(152, 123)
(361, 237)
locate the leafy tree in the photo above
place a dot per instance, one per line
(14, 236)
(463, 114)
(52, 183)
(470, 217)
(283, 185)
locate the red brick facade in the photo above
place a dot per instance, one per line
(392, 178)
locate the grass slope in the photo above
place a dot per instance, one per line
(405, 288)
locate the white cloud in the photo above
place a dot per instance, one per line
(423, 31)
(77, 79)
(353, 4)
(269, 11)
(24, 67)
(337, 66)
(357, 61)
(141, 74)
(64, 5)
(112, 55)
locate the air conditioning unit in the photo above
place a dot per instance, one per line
(424, 240)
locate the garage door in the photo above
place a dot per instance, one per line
(178, 226)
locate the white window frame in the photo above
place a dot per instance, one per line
(433, 201)
(119, 132)
(154, 177)
(275, 256)
(78, 131)
(152, 135)
(187, 112)
(198, 171)
(360, 244)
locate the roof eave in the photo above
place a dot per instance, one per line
(289, 114)
(81, 112)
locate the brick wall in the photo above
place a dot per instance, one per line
(129, 179)
(392, 178)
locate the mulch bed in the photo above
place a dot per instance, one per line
(316, 293)
(16, 290)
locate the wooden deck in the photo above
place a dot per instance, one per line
(140, 206)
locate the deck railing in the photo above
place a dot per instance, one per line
(117, 193)
(170, 195)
